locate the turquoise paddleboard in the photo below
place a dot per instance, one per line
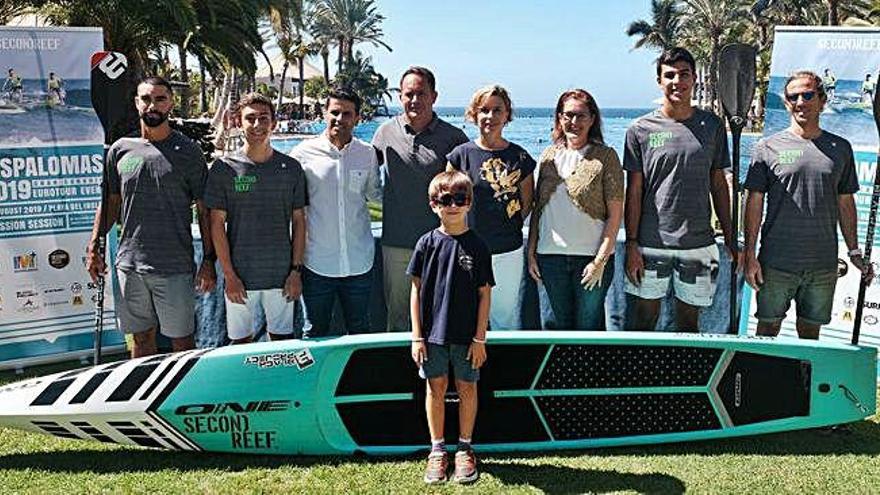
(538, 391)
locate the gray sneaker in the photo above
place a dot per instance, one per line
(465, 467)
(435, 472)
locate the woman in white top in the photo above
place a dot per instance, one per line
(577, 213)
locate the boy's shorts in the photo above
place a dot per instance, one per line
(283, 317)
(812, 291)
(693, 274)
(441, 356)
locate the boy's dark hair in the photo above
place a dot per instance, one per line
(344, 93)
(157, 81)
(673, 55)
(450, 181)
(251, 99)
(423, 72)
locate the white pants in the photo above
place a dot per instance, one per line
(279, 313)
(506, 297)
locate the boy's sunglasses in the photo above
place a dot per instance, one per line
(807, 96)
(448, 199)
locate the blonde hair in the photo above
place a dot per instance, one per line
(481, 94)
(450, 180)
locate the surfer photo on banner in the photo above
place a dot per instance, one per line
(451, 291)
(13, 87)
(55, 90)
(868, 88)
(152, 182)
(577, 214)
(256, 196)
(501, 172)
(675, 158)
(829, 82)
(808, 178)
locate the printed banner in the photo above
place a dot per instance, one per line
(51, 158)
(848, 59)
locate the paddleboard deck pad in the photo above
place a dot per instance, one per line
(538, 391)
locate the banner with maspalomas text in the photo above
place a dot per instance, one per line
(848, 60)
(51, 160)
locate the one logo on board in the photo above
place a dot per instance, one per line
(59, 259)
(26, 262)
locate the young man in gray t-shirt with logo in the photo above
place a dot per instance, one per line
(808, 177)
(675, 157)
(256, 196)
(153, 180)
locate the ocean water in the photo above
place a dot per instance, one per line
(32, 121)
(531, 129)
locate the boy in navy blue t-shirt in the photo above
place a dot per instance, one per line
(452, 281)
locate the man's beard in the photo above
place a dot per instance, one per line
(154, 119)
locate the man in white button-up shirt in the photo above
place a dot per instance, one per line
(341, 176)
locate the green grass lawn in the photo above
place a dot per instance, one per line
(798, 462)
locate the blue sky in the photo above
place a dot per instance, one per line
(536, 49)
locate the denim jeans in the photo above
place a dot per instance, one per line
(319, 297)
(568, 306)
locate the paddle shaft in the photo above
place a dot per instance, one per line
(736, 127)
(102, 247)
(869, 244)
(869, 235)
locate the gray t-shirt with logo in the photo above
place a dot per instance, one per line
(158, 182)
(676, 159)
(802, 180)
(258, 200)
(409, 162)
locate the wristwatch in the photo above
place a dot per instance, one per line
(296, 267)
(855, 252)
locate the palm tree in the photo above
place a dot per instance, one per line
(663, 31)
(709, 24)
(352, 22)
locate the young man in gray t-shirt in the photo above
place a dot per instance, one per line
(809, 178)
(153, 180)
(675, 157)
(256, 197)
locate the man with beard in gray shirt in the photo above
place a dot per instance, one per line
(412, 148)
(808, 176)
(153, 180)
(674, 158)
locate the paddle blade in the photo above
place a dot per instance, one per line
(110, 91)
(736, 81)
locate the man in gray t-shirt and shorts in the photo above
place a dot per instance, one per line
(808, 177)
(256, 197)
(674, 158)
(153, 181)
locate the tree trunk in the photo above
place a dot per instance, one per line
(325, 54)
(281, 84)
(184, 78)
(302, 86)
(203, 96)
(340, 55)
(833, 19)
(713, 75)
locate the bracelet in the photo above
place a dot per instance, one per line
(296, 267)
(855, 252)
(418, 340)
(478, 341)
